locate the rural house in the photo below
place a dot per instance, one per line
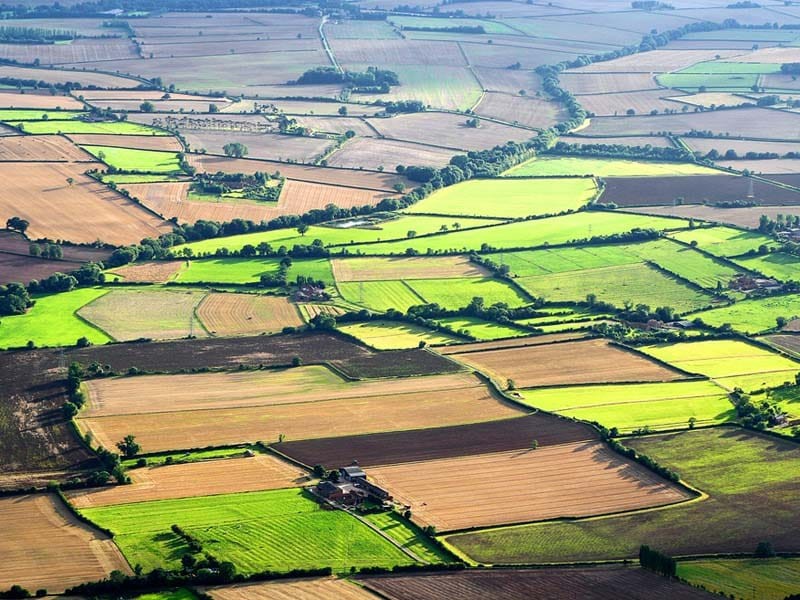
(353, 488)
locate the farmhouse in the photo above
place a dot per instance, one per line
(745, 283)
(352, 488)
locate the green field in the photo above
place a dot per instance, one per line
(409, 536)
(32, 114)
(249, 270)
(458, 293)
(753, 316)
(733, 82)
(636, 283)
(510, 198)
(720, 66)
(275, 530)
(531, 263)
(528, 234)
(380, 296)
(788, 400)
(129, 159)
(765, 579)
(731, 363)
(723, 241)
(387, 230)
(554, 166)
(181, 594)
(685, 262)
(779, 265)
(483, 330)
(53, 321)
(103, 127)
(633, 406)
(388, 335)
(136, 178)
(751, 481)
(191, 456)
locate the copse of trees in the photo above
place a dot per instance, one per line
(14, 299)
(35, 35)
(790, 68)
(656, 561)
(371, 80)
(621, 151)
(17, 224)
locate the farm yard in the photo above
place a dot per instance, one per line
(472, 299)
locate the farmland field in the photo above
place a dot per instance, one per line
(242, 528)
(458, 293)
(734, 467)
(380, 295)
(153, 272)
(246, 314)
(294, 589)
(482, 330)
(753, 316)
(553, 166)
(130, 159)
(723, 241)
(386, 335)
(780, 265)
(520, 198)
(409, 537)
(634, 406)
(747, 217)
(385, 269)
(773, 578)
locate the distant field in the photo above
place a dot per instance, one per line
(730, 363)
(554, 166)
(409, 537)
(384, 269)
(753, 316)
(13, 115)
(592, 361)
(736, 468)
(129, 159)
(633, 406)
(53, 321)
(250, 270)
(380, 295)
(483, 330)
(294, 589)
(146, 272)
(508, 198)
(386, 335)
(274, 530)
(246, 314)
(724, 241)
(771, 579)
(458, 293)
(104, 127)
(780, 265)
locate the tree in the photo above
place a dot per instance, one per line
(764, 550)
(781, 322)
(147, 107)
(692, 422)
(235, 150)
(70, 181)
(17, 224)
(343, 110)
(128, 446)
(510, 385)
(534, 444)
(302, 229)
(297, 361)
(213, 108)
(411, 233)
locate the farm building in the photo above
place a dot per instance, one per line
(745, 283)
(352, 488)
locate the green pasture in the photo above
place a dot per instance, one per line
(779, 265)
(685, 262)
(380, 296)
(571, 326)
(53, 321)
(181, 594)
(388, 335)
(250, 270)
(636, 283)
(750, 480)
(483, 330)
(633, 406)
(724, 241)
(130, 159)
(276, 530)
(555, 166)
(762, 578)
(721, 66)
(191, 456)
(409, 536)
(531, 263)
(101, 127)
(731, 363)
(33, 114)
(753, 316)
(567, 316)
(458, 293)
(510, 198)
(734, 82)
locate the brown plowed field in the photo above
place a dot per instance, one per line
(741, 217)
(618, 104)
(268, 146)
(373, 153)
(44, 546)
(41, 148)
(77, 51)
(787, 342)
(770, 166)
(30, 99)
(11, 241)
(694, 189)
(300, 589)
(509, 81)
(22, 269)
(569, 480)
(203, 478)
(439, 442)
(742, 147)
(397, 52)
(513, 108)
(246, 314)
(590, 361)
(380, 269)
(538, 340)
(62, 76)
(240, 389)
(596, 583)
(657, 61)
(150, 272)
(142, 142)
(606, 83)
(299, 197)
(83, 212)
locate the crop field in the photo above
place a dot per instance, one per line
(458, 293)
(634, 406)
(53, 321)
(149, 272)
(555, 166)
(14, 99)
(519, 110)
(788, 342)
(518, 198)
(82, 212)
(46, 547)
(747, 218)
(530, 263)
(619, 104)
(203, 478)
(592, 361)
(369, 153)
(131, 159)
(410, 538)
(130, 314)
(753, 316)
(568, 480)
(483, 330)
(773, 578)
(165, 143)
(730, 363)
(591, 583)
(244, 529)
(227, 270)
(21, 268)
(386, 335)
(724, 241)
(501, 435)
(74, 126)
(380, 295)
(384, 269)
(606, 83)
(291, 148)
(736, 468)
(780, 265)
(246, 314)
(293, 589)
(41, 149)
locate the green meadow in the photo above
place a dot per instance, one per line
(723, 241)
(753, 316)
(554, 166)
(762, 578)
(388, 335)
(130, 159)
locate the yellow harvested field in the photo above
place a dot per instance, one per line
(589, 361)
(242, 314)
(44, 546)
(203, 478)
(83, 212)
(301, 589)
(42, 148)
(208, 391)
(62, 76)
(299, 197)
(310, 311)
(13, 99)
(150, 272)
(383, 269)
(568, 480)
(537, 340)
(142, 142)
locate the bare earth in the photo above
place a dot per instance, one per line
(243, 314)
(303, 589)
(379, 269)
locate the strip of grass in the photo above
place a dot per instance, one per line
(52, 321)
(483, 330)
(685, 262)
(130, 159)
(724, 241)
(103, 127)
(766, 579)
(633, 406)
(753, 316)
(458, 293)
(32, 114)
(387, 335)
(380, 296)
(530, 263)
(780, 265)
(554, 166)
(136, 178)
(181, 594)
(190, 456)
(276, 530)
(408, 536)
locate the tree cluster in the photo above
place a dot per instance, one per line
(656, 561)
(14, 299)
(622, 151)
